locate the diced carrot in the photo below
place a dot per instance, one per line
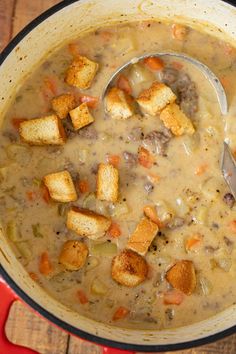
(31, 196)
(178, 31)
(82, 297)
(91, 101)
(45, 194)
(145, 159)
(228, 49)
(150, 212)
(201, 169)
(106, 35)
(154, 63)
(152, 177)
(45, 266)
(73, 49)
(177, 65)
(193, 241)
(120, 313)
(232, 226)
(113, 160)
(33, 276)
(124, 84)
(83, 186)
(17, 121)
(225, 82)
(173, 297)
(51, 85)
(114, 230)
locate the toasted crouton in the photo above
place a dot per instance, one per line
(43, 131)
(182, 276)
(63, 104)
(60, 186)
(107, 182)
(87, 223)
(129, 268)
(119, 105)
(81, 72)
(73, 255)
(155, 98)
(142, 236)
(81, 116)
(175, 120)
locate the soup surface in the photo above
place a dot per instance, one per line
(170, 181)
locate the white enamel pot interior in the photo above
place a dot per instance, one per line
(61, 23)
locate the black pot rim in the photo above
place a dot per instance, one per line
(49, 316)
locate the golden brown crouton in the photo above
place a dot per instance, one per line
(175, 120)
(60, 186)
(43, 131)
(119, 105)
(81, 72)
(182, 276)
(129, 268)
(142, 236)
(73, 255)
(63, 104)
(87, 223)
(154, 99)
(81, 116)
(107, 182)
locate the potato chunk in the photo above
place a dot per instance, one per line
(63, 104)
(155, 98)
(107, 182)
(182, 276)
(60, 186)
(119, 105)
(81, 72)
(81, 116)
(129, 268)
(73, 255)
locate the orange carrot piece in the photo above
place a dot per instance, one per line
(33, 276)
(152, 177)
(91, 101)
(83, 186)
(225, 82)
(177, 65)
(31, 196)
(106, 35)
(113, 160)
(145, 159)
(51, 85)
(193, 241)
(73, 49)
(154, 63)
(17, 121)
(173, 297)
(45, 266)
(124, 84)
(232, 226)
(114, 230)
(120, 313)
(45, 194)
(150, 212)
(201, 169)
(178, 31)
(82, 297)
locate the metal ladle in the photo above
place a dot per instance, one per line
(228, 166)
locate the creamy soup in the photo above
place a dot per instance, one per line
(171, 182)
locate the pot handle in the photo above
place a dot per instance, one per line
(7, 297)
(108, 350)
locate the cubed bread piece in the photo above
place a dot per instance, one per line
(87, 223)
(43, 131)
(129, 268)
(107, 182)
(119, 105)
(182, 276)
(63, 104)
(175, 120)
(155, 98)
(142, 236)
(60, 186)
(81, 116)
(73, 255)
(81, 72)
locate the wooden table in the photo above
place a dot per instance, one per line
(23, 326)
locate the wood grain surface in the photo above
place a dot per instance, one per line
(24, 326)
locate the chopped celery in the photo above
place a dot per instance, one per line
(37, 182)
(119, 209)
(98, 287)
(103, 249)
(62, 209)
(36, 231)
(13, 232)
(24, 250)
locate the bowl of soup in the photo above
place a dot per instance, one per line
(116, 222)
